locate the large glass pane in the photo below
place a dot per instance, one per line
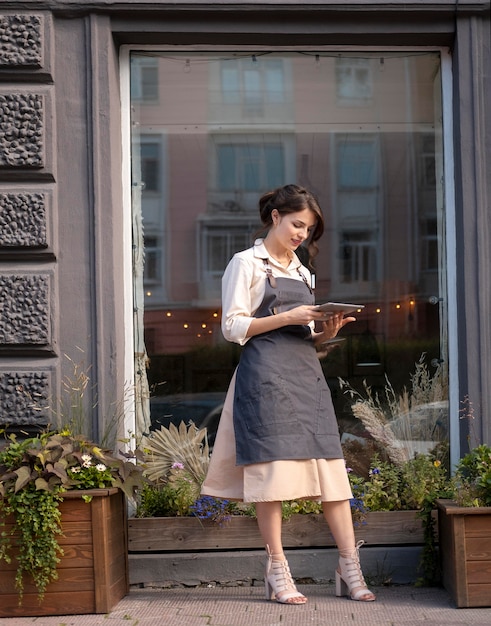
(363, 133)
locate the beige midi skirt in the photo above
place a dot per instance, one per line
(315, 479)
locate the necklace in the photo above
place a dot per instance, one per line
(286, 262)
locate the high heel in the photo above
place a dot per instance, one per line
(349, 577)
(279, 583)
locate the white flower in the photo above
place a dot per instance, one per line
(101, 467)
(76, 470)
(87, 460)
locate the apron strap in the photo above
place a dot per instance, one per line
(272, 280)
(269, 273)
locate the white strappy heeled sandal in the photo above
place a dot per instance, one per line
(279, 582)
(350, 577)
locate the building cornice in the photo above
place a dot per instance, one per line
(131, 6)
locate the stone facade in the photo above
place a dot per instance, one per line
(26, 285)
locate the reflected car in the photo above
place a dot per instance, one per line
(418, 431)
(422, 428)
(201, 409)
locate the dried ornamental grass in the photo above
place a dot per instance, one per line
(375, 422)
(396, 421)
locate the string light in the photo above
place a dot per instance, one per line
(398, 305)
(168, 314)
(148, 293)
(185, 325)
(378, 310)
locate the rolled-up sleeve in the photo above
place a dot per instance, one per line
(238, 301)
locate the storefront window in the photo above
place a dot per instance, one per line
(211, 133)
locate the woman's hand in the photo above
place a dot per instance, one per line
(302, 315)
(299, 316)
(331, 327)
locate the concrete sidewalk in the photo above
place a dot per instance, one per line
(245, 606)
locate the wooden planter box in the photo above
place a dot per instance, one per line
(465, 553)
(92, 574)
(174, 534)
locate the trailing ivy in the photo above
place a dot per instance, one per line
(34, 536)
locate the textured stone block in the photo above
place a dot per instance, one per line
(22, 127)
(24, 310)
(20, 41)
(24, 398)
(23, 220)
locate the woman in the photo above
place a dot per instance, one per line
(278, 437)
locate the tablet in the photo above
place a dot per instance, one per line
(333, 341)
(339, 307)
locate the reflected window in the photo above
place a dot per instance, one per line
(144, 79)
(427, 157)
(358, 206)
(357, 163)
(250, 167)
(219, 242)
(358, 257)
(252, 82)
(353, 81)
(150, 166)
(153, 257)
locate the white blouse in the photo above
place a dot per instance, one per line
(244, 284)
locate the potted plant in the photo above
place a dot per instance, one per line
(62, 525)
(465, 528)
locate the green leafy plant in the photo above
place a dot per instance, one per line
(382, 488)
(171, 496)
(34, 474)
(473, 478)
(292, 507)
(414, 485)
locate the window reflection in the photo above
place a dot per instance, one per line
(212, 132)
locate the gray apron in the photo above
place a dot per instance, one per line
(282, 403)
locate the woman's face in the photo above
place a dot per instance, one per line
(291, 229)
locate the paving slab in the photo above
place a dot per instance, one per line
(213, 605)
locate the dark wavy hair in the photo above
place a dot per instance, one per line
(292, 199)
